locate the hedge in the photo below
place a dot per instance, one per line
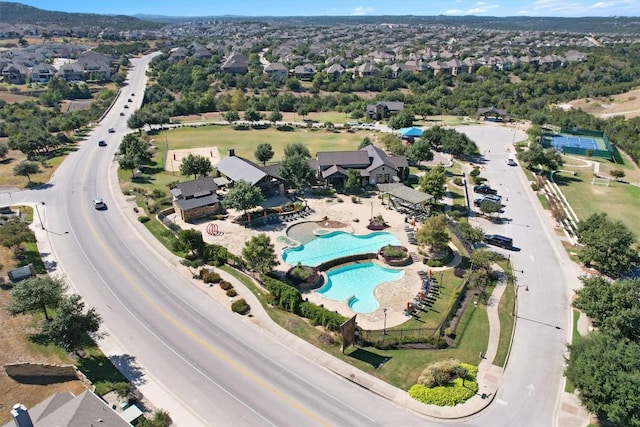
(240, 306)
(450, 394)
(321, 316)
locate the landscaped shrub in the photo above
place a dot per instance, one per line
(144, 219)
(303, 274)
(283, 296)
(433, 262)
(225, 286)
(241, 127)
(391, 251)
(534, 186)
(453, 383)
(321, 316)
(285, 128)
(208, 276)
(216, 254)
(322, 192)
(231, 292)
(458, 181)
(458, 272)
(240, 306)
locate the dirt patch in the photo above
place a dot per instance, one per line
(11, 98)
(174, 157)
(331, 224)
(625, 104)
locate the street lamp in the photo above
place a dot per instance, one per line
(39, 217)
(384, 326)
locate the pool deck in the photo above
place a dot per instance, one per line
(392, 296)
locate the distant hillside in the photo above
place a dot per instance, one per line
(17, 13)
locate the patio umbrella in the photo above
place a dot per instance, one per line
(265, 213)
(248, 216)
(408, 306)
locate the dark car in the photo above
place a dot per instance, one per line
(111, 130)
(102, 143)
(129, 100)
(126, 106)
(499, 240)
(122, 113)
(484, 189)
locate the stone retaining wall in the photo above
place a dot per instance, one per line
(58, 372)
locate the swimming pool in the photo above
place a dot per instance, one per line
(335, 245)
(355, 283)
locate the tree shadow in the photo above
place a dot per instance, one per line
(375, 360)
(128, 366)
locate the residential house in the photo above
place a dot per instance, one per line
(276, 71)
(15, 74)
(383, 56)
(334, 71)
(304, 72)
(71, 72)
(42, 73)
(575, 56)
(96, 66)
(196, 199)
(373, 164)
(178, 54)
(383, 109)
(368, 69)
(455, 66)
(65, 409)
(235, 64)
(236, 168)
(396, 69)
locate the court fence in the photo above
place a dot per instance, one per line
(607, 153)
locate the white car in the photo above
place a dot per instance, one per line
(99, 204)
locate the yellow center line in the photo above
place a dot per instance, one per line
(228, 360)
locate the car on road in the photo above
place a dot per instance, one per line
(491, 198)
(99, 204)
(112, 130)
(511, 162)
(484, 189)
(129, 100)
(122, 113)
(102, 143)
(498, 240)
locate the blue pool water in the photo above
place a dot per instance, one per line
(356, 283)
(335, 245)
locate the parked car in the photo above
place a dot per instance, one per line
(102, 143)
(484, 189)
(129, 100)
(99, 204)
(492, 198)
(122, 113)
(125, 106)
(499, 240)
(511, 162)
(112, 130)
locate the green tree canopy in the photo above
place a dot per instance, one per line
(433, 183)
(365, 141)
(605, 370)
(70, 326)
(264, 152)
(607, 245)
(613, 306)
(26, 168)
(14, 233)
(242, 196)
(195, 165)
(297, 170)
(419, 151)
(354, 182)
(297, 148)
(36, 294)
(251, 115)
(232, 116)
(275, 116)
(469, 232)
(402, 119)
(190, 240)
(259, 254)
(434, 232)
(537, 155)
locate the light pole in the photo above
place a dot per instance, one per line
(384, 326)
(39, 217)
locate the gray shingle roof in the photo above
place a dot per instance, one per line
(236, 169)
(199, 186)
(196, 202)
(343, 158)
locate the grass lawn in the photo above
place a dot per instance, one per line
(245, 142)
(507, 322)
(575, 338)
(401, 367)
(100, 371)
(587, 199)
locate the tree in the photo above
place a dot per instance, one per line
(403, 119)
(613, 306)
(296, 148)
(15, 232)
(36, 294)
(127, 163)
(607, 245)
(365, 141)
(259, 254)
(616, 173)
(605, 370)
(488, 207)
(433, 183)
(302, 110)
(275, 116)
(297, 170)
(238, 100)
(264, 152)
(242, 196)
(537, 155)
(70, 326)
(195, 165)
(251, 115)
(4, 150)
(434, 232)
(484, 258)
(354, 182)
(26, 168)
(190, 240)
(232, 116)
(469, 232)
(419, 151)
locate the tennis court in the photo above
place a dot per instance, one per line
(560, 142)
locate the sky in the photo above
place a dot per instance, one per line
(555, 8)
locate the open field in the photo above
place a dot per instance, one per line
(620, 200)
(625, 104)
